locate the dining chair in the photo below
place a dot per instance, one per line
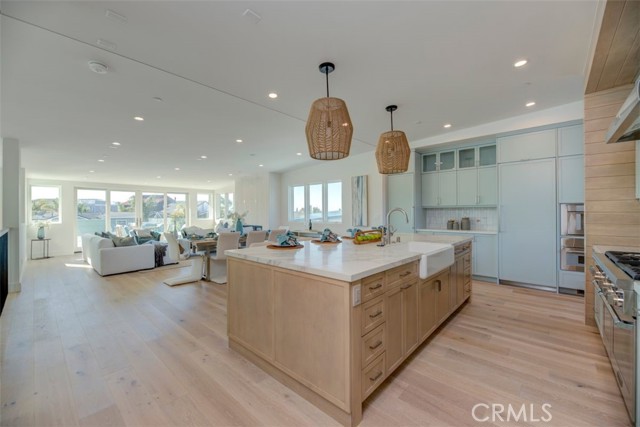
(218, 262)
(173, 250)
(255, 237)
(273, 235)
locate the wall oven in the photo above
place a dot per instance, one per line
(571, 219)
(615, 310)
(571, 254)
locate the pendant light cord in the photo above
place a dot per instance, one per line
(326, 73)
(391, 120)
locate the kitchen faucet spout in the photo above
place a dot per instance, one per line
(387, 238)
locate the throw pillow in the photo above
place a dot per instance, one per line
(123, 241)
(143, 233)
(155, 235)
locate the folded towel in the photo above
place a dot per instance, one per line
(287, 239)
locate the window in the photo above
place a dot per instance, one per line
(334, 201)
(176, 211)
(224, 205)
(122, 210)
(296, 203)
(316, 205)
(90, 212)
(323, 202)
(45, 204)
(203, 206)
(153, 211)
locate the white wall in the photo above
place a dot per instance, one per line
(254, 195)
(63, 235)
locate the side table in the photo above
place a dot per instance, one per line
(45, 248)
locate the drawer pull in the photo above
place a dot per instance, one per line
(376, 345)
(405, 274)
(378, 313)
(439, 284)
(376, 376)
(406, 286)
(378, 286)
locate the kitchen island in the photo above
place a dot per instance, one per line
(332, 321)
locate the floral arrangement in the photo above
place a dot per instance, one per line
(235, 216)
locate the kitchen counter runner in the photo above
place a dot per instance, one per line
(343, 261)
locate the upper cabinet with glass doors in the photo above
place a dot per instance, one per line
(442, 161)
(474, 176)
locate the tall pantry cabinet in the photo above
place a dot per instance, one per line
(527, 208)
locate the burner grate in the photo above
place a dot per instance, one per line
(629, 262)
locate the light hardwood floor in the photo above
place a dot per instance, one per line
(127, 350)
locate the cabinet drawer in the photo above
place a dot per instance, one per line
(372, 376)
(404, 273)
(372, 314)
(462, 248)
(372, 286)
(372, 345)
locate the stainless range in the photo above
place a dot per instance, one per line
(615, 306)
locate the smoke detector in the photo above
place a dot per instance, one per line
(98, 67)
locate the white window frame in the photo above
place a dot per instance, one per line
(307, 204)
(211, 207)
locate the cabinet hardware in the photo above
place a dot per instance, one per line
(376, 314)
(406, 286)
(405, 274)
(439, 284)
(376, 376)
(376, 345)
(378, 286)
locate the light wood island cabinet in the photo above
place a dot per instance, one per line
(311, 332)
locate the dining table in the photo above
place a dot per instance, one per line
(208, 246)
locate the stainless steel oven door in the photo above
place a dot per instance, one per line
(571, 254)
(619, 340)
(572, 219)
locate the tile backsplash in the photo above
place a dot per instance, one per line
(482, 219)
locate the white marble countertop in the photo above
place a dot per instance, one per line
(434, 230)
(343, 261)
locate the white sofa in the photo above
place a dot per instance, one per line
(106, 259)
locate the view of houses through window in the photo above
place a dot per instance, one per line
(203, 206)
(324, 202)
(128, 210)
(45, 204)
(224, 205)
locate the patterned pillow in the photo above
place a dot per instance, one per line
(123, 241)
(155, 235)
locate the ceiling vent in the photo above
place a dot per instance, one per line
(98, 67)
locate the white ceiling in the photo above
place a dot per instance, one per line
(439, 61)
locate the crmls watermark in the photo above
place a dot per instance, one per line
(530, 413)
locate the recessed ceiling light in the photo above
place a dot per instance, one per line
(101, 160)
(203, 157)
(239, 141)
(230, 174)
(91, 171)
(158, 177)
(138, 118)
(447, 126)
(176, 169)
(273, 95)
(115, 143)
(98, 67)
(261, 165)
(530, 104)
(208, 180)
(298, 154)
(520, 63)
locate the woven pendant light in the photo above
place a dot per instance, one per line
(329, 127)
(393, 151)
